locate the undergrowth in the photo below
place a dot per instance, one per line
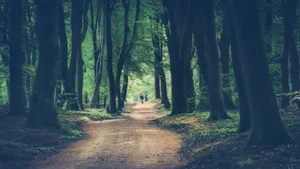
(216, 144)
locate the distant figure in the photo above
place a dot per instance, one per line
(146, 97)
(142, 98)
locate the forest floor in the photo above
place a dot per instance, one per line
(20, 144)
(128, 143)
(217, 145)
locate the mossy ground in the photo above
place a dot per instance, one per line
(217, 145)
(19, 143)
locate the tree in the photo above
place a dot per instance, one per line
(63, 60)
(224, 44)
(179, 47)
(109, 59)
(76, 26)
(289, 9)
(127, 46)
(80, 62)
(17, 98)
(42, 110)
(214, 82)
(98, 53)
(267, 127)
(245, 118)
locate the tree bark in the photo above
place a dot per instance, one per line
(98, 55)
(109, 60)
(80, 62)
(63, 61)
(224, 44)
(76, 26)
(289, 8)
(294, 59)
(179, 46)
(245, 118)
(156, 45)
(190, 85)
(124, 89)
(42, 109)
(214, 82)
(17, 98)
(266, 125)
(164, 92)
(268, 27)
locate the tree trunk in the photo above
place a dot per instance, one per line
(109, 60)
(266, 125)
(289, 8)
(156, 82)
(156, 45)
(224, 45)
(244, 123)
(268, 28)
(76, 26)
(122, 57)
(63, 61)
(80, 62)
(42, 109)
(164, 92)
(98, 56)
(190, 86)
(214, 82)
(294, 59)
(17, 93)
(124, 89)
(179, 46)
(79, 79)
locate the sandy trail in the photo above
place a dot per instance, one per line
(129, 143)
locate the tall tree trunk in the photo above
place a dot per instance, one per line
(266, 125)
(124, 89)
(179, 46)
(63, 61)
(80, 62)
(294, 59)
(156, 45)
(122, 57)
(79, 79)
(289, 8)
(98, 55)
(164, 92)
(224, 44)
(156, 81)
(245, 118)
(268, 27)
(76, 26)
(190, 85)
(42, 109)
(214, 82)
(27, 48)
(109, 60)
(17, 93)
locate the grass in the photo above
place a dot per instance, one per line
(217, 145)
(19, 144)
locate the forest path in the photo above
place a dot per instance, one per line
(129, 143)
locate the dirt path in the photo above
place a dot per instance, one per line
(129, 143)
